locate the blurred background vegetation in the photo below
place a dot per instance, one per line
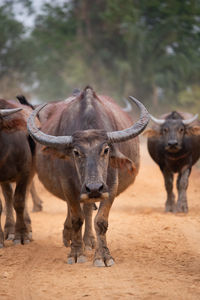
(146, 48)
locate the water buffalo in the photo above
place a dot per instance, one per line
(16, 165)
(174, 144)
(85, 155)
(37, 202)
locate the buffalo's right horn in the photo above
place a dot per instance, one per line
(128, 107)
(43, 138)
(157, 121)
(135, 129)
(7, 112)
(189, 121)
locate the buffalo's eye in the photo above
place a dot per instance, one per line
(181, 130)
(106, 150)
(76, 153)
(165, 130)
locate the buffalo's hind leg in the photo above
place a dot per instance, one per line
(170, 205)
(182, 184)
(9, 228)
(102, 254)
(37, 202)
(89, 238)
(1, 231)
(22, 225)
(77, 250)
(67, 231)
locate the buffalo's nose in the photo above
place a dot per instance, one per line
(172, 143)
(94, 189)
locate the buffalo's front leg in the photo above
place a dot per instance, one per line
(1, 231)
(21, 229)
(89, 238)
(170, 202)
(182, 184)
(9, 228)
(102, 255)
(77, 250)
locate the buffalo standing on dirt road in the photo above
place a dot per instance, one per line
(37, 202)
(174, 144)
(16, 165)
(86, 131)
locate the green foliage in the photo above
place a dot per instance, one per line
(120, 47)
(190, 98)
(11, 59)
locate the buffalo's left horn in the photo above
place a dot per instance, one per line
(157, 121)
(43, 138)
(135, 129)
(7, 112)
(189, 121)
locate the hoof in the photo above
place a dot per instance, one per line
(30, 235)
(71, 260)
(26, 242)
(10, 237)
(110, 262)
(170, 208)
(182, 209)
(99, 263)
(1, 245)
(81, 259)
(37, 208)
(17, 242)
(21, 241)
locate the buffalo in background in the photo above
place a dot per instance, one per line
(174, 144)
(16, 166)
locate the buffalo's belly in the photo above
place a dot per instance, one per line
(125, 177)
(125, 180)
(15, 169)
(48, 174)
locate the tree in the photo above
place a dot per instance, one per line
(11, 57)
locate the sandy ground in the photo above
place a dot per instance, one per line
(157, 254)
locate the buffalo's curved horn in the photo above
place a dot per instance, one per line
(189, 121)
(157, 121)
(133, 131)
(43, 138)
(9, 111)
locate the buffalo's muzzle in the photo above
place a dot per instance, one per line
(94, 192)
(172, 146)
(172, 143)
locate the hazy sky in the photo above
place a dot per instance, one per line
(21, 13)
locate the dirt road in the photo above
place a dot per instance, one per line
(157, 254)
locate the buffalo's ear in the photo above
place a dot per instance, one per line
(150, 132)
(119, 160)
(193, 130)
(55, 153)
